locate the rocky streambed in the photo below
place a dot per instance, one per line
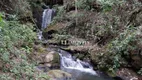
(50, 61)
(76, 56)
(61, 65)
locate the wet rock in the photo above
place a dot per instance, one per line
(58, 74)
(127, 74)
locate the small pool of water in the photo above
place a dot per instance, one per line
(79, 75)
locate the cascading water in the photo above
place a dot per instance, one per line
(80, 70)
(67, 62)
(46, 20)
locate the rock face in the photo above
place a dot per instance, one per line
(127, 74)
(58, 74)
(37, 14)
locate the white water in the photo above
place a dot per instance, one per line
(80, 70)
(39, 35)
(67, 62)
(46, 20)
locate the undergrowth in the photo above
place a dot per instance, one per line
(16, 46)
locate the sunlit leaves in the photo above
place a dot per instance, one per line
(2, 22)
(0, 17)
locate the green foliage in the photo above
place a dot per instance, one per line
(26, 71)
(140, 71)
(84, 4)
(122, 42)
(120, 47)
(5, 77)
(22, 8)
(60, 14)
(107, 5)
(0, 17)
(16, 44)
(13, 33)
(117, 52)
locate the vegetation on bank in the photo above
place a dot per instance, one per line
(16, 48)
(115, 26)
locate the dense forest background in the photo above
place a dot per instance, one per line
(112, 28)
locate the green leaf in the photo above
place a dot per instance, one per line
(0, 17)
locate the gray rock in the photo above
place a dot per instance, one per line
(59, 75)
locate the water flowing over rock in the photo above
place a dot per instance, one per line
(47, 17)
(80, 70)
(67, 62)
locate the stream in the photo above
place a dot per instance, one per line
(80, 70)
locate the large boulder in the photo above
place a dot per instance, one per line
(46, 59)
(58, 74)
(49, 57)
(49, 60)
(52, 60)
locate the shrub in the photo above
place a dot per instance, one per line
(117, 52)
(60, 16)
(16, 44)
(84, 4)
(107, 5)
(21, 7)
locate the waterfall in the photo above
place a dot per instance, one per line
(79, 70)
(47, 17)
(67, 61)
(46, 20)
